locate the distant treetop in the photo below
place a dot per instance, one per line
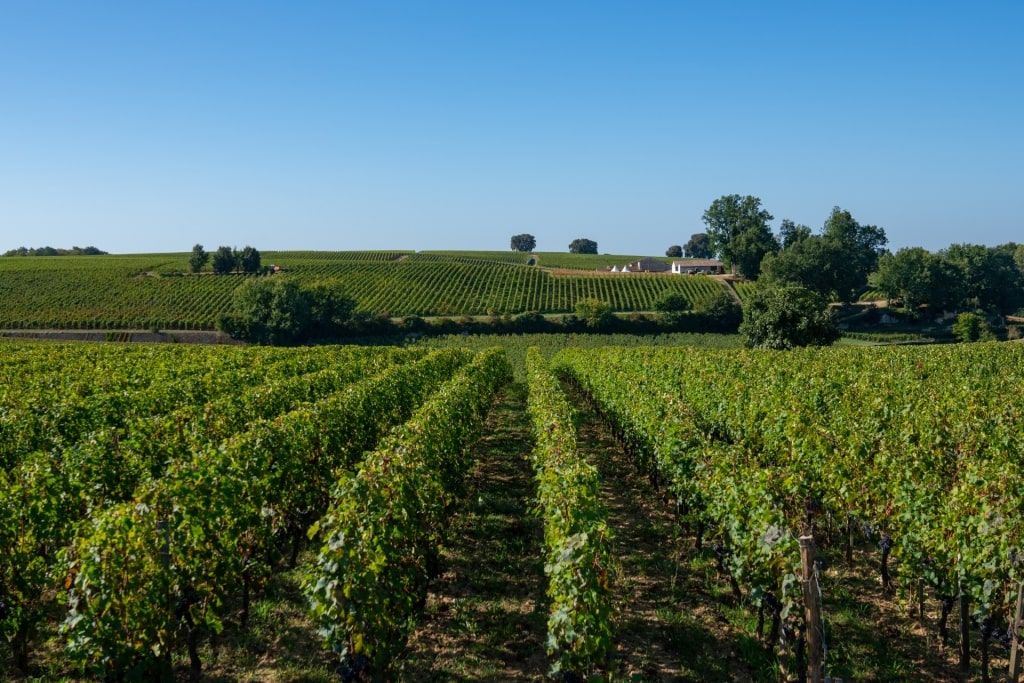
(583, 246)
(524, 242)
(50, 251)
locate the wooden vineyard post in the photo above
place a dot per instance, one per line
(812, 612)
(965, 634)
(166, 670)
(1015, 627)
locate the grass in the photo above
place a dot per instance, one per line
(485, 618)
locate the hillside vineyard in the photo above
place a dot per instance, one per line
(157, 292)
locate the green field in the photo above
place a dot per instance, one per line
(156, 291)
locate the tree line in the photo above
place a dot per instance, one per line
(847, 257)
(51, 251)
(801, 271)
(526, 242)
(225, 260)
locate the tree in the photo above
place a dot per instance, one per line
(672, 304)
(804, 263)
(750, 248)
(267, 311)
(223, 260)
(971, 327)
(249, 261)
(675, 251)
(198, 259)
(991, 279)
(738, 232)
(919, 278)
(594, 312)
(330, 309)
(583, 246)
(786, 316)
(856, 249)
(719, 312)
(279, 310)
(790, 233)
(835, 264)
(523, 242)
(699, 246)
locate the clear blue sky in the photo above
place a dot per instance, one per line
(150, 126)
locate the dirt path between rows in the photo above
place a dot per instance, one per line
(663, 608)
(485, 618)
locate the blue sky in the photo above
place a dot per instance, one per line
(151, 126)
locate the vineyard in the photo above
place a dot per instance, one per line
(155, 499)
(157, 292)
(915, 451)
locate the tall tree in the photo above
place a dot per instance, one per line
(523, 242)
(790, 233)
(675, 251)
(738, 232)
(749, 250)
(198, 258)
(917, 278)
(249, 262)
(1018, 257)
(582, 245)
(699, 246)
(223, 260)
(808, 262)
(991, 279)
(835, 264)
(857, 247)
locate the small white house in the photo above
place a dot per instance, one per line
(696, 266)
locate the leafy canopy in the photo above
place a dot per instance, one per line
(786, 316)
(523, 242)
(699, 246)
(582, 245)
(198, 259)
(279, 311)
(738, 232)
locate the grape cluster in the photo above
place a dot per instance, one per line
(1003, 636)
(772, 602)
(812, 506)
(354, 668)
(722, 553)
(886, 543)
(868, 530)
(792, 629)
(986, 627)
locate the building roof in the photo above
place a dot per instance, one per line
(699, 263)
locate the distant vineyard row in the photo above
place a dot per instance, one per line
(154, 291)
